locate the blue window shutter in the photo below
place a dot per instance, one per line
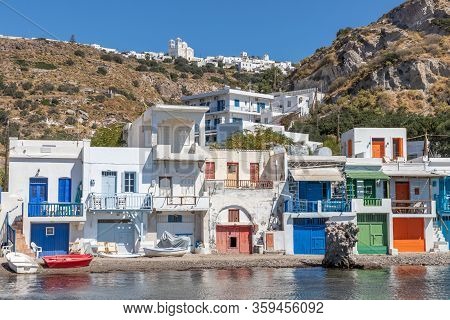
(135, 182)
(64, 190)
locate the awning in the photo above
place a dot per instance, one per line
(366, 174)
(416, 174)
(317, 174)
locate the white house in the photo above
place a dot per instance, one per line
(229, 105)
(174, 169)
(385, 143)
(44, 197)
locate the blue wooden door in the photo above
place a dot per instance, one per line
(52, 237)
(64, 190)
(309, 236)
(38, 194)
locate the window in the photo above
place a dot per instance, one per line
(208, 124)
(210, 170)
(233, 215)
(233, 242)
(163, 135)
(49, 231)
(236, 102)
(260, 106)
(416, 191)
(237, 120)
(216, 122)
(129, 182)
(165, 186)
(289, 104)
(220, 105)
(174, 218)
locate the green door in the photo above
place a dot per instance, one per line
(372, 236)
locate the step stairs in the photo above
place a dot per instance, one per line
(440, 245)
(21, 245)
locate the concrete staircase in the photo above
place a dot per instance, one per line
(21, 245)
(440, 245)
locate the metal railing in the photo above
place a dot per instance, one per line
(180, 200)
(120, 201)
(321, 206)
(372, 202)
(411, 206)
(55, 210)
(247, 184)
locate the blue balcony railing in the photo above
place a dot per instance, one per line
(55, 210)
(443, 204)
(321, 206)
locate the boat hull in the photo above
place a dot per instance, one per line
(21, 263)
(165, 252)
(68, 261)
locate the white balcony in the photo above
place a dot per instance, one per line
(180, 203)
(97, 202)
(187, 153)
(372, 205)
(414, 208)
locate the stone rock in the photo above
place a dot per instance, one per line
(341, 238)
(70, 112)
(83, 114)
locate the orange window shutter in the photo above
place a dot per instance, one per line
(400, 147)
(349, 148)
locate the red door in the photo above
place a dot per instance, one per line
(233, 239)
(254, 174)
(402, 190)
(409, 234)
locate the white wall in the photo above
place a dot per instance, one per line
(362, 141)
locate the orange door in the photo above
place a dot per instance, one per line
(221, 239)
(245, 239)
(402, 190)
(269, 241)
(377, 147)
(397, 147)
(409, 234)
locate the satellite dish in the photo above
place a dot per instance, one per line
(323, 151)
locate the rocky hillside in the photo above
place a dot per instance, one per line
(403, 58)
(54, 90)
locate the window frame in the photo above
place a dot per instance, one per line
(128, 184)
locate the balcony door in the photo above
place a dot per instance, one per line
(109, 187)
(232, 174)
(378, 147)
(402, 190)
(38, 194)
(254, 174)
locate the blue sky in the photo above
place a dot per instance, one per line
(286, 29)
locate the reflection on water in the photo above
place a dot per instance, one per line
(401, 282)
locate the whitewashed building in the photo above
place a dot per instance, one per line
(229, 105)
(179, 48)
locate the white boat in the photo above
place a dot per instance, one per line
(119, 255)
(165, 252)
(21, 263)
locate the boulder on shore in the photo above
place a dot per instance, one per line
(341, 238)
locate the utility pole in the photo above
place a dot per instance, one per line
(5, 181)
(426, 146)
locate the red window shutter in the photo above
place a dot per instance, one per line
(210, 171)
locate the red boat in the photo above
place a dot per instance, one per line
(68, 261)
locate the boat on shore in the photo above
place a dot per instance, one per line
(165, 252)
(68, 261)
(21, 263)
